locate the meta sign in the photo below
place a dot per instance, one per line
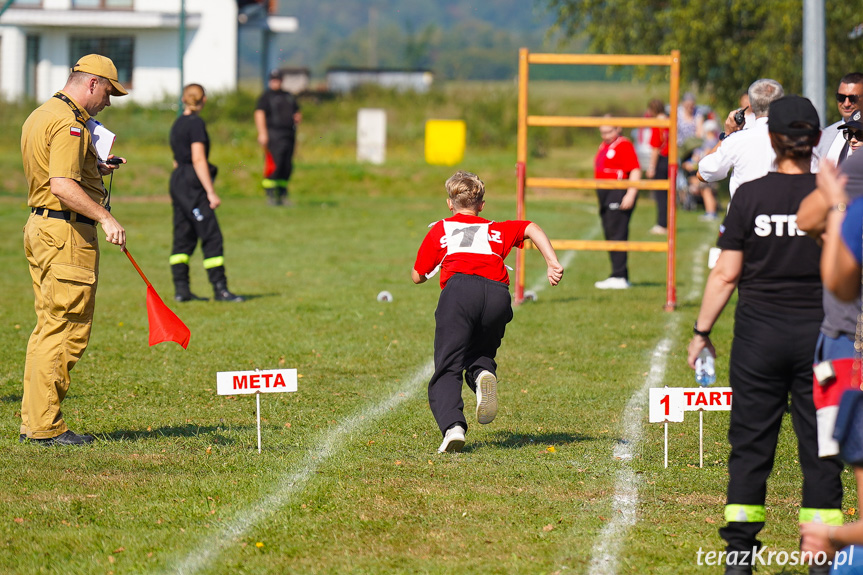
(264, 381)
(668, 404)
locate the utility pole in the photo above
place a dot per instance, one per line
(814, 56)
(182, 53)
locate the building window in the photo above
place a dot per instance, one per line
(27, 3)
(31, 62)
(120, 49)
(103, 4)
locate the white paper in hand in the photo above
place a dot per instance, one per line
(103, 138)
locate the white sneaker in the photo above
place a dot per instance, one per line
(612, 283)
(658, 230)
(486, 397)
(453, 440)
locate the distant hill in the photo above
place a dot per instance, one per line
(456, 39)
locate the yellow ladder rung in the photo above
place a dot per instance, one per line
(588, 184)
(603, 59)
(596, 122)
(604, 246)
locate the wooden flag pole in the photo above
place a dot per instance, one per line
(134, 263)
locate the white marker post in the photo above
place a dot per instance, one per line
(371, 135)
(666, 408)
(257, 382)
(668, 405)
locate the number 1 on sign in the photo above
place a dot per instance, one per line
(666, 404)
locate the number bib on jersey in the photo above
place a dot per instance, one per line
(466, 238)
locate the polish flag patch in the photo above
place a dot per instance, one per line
(75, 131)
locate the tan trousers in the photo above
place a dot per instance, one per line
(64, 266)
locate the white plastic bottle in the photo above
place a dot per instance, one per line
(705, 371)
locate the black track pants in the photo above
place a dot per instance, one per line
(470, 321)
(771, 359)
(615, 225)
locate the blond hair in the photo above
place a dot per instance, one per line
(193, 97)
(465, 190)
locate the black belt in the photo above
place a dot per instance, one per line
(63, 216)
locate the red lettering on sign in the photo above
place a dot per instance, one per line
(240, 382)
(727, 395)
(715, 398)
(280, 381)
(688, 395)
(267, 377)
(253, 381)
(702, 399)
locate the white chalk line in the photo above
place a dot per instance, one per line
(293, 483)
(606, 549)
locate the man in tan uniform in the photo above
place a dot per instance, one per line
(66, 198)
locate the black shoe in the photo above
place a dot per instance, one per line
(188, 296)
(67, 438)
(282, 198)
(222, 294)
(22, 438)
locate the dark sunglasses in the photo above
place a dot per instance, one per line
(853, 98)
(857, 135)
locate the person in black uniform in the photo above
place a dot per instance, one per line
(775, 268)
(277, 115)
(194, 200)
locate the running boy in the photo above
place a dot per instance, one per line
(474, 305)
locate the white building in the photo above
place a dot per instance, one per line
(40, 40)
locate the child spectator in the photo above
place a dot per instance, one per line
(616, 160)
(474, 305)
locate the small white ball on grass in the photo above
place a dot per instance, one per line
(385, 296)
(530, 295)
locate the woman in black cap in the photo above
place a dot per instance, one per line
(775, 268)
(852, 131)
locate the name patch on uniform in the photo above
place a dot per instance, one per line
(75, 131)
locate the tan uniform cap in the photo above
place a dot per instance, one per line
(103, 67)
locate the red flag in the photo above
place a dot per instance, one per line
(269, 165)
(164, 324)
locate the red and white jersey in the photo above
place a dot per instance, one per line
(469, 245)
(615, 161)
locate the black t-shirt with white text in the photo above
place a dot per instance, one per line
(780, 262)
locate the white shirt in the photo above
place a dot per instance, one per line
(747, 152)
(831, 143)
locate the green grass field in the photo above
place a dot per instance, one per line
(349, 480)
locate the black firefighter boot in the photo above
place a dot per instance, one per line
(282, 198)
(182, 292)
(217, 277)
(272, 197)
(220, 288)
